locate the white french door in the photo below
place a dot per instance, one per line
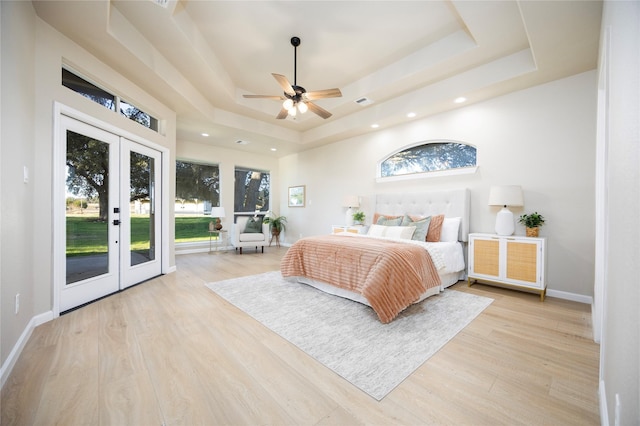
(112, 213)
(140, 219)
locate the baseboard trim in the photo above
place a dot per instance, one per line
(202, 250)
(570, 296)
(11, 360)
(604, 410)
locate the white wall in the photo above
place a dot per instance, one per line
(542, 138)
(16, 151)
(620, 342)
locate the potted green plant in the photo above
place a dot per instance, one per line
(358, 218)
(276, 224)
(532, 222)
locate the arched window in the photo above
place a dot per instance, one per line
(430, 157)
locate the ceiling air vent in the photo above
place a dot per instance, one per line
(241, 142)
(163, 3)
(363, 101)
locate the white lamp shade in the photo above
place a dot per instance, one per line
(302, 107)
(350, 201)
(217, 212)
(506, 195)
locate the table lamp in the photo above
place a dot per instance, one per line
(350, 201)
(217, 213)
(505, 195)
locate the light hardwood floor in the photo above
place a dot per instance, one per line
(171, 352)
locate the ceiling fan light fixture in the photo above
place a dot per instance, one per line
(288, 104)
(295, 97)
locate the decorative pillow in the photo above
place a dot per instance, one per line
(421, 224)
(376, 231)
(399, 232)
(387, 221)
(435, 228)
(450, 228)
(377, 216)
(254, 226)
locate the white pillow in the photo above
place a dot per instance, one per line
(376, 230)
(450, 227)
(397, 232)
(400, 232)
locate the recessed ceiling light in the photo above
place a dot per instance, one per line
(411, 114)
(274, 149)
(375, 126)
(460, 100)
(205, 134)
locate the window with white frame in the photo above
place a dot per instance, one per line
(428, 157)
(251, 190)
(108, 100)
(197, 190)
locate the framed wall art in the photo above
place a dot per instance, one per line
(296, 196)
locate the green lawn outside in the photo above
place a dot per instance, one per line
(86, 235)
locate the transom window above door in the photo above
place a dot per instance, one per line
(108, 100)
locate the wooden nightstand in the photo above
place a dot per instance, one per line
(513, 261)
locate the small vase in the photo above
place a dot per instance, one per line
(532, 232)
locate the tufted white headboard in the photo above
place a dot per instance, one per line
(451, 203)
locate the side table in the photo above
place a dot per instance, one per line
(219, 238)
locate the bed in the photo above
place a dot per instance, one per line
(384, 269)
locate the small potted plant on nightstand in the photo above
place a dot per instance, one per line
(358, 218)
(532, 222)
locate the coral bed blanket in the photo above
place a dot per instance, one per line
(390, 274)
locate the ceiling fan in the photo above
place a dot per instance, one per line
(296, 98)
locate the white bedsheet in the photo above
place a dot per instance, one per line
(448, 258)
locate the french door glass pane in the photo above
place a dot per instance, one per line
(142, 199)
(87, 226)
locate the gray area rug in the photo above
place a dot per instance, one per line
(347, 336)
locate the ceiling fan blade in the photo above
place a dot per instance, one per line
(282, 114)
(277, 98)
(317, 110)
(284, 83)
(321, 94)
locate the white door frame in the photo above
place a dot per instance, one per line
(58, 194)
(133, 274)
(104, 282)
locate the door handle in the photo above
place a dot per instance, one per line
(116, 222)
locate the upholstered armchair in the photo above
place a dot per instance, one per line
(252, 236)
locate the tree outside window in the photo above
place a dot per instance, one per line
(251, 190)
(197, 187)
(429, 157)
(197, 190)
